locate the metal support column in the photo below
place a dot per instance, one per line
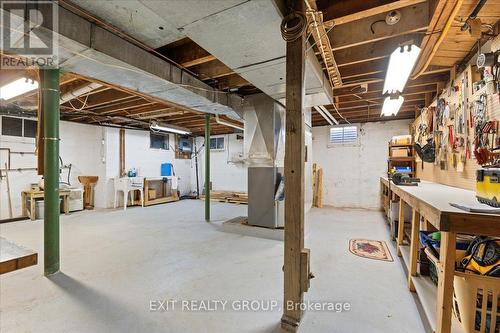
(207, 167)
(50, 104)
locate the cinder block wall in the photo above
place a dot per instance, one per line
(351, 172)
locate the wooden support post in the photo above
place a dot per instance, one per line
(401, 226)
(445, 281)
(122, 152)
(414, 247)
(296, 265)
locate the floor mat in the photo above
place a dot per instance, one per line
(371, 249)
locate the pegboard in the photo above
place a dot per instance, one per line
(445, 170)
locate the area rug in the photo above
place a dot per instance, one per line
(371, 249)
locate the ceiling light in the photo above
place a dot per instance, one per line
(155, 127)
(392, 104)
(401, 63)
(17, 87)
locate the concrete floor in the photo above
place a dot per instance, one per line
(114, 262)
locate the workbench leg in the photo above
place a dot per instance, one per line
(445, 281)
(414, 247)
(401, 225)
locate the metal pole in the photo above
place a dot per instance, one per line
(50, 98)
(207, 167)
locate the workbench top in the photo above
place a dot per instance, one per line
(434, 199)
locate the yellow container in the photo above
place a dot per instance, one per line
(488, 186)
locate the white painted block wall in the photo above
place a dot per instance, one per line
(351, 173)
(92, 150)
(227, 172)
(80, 145)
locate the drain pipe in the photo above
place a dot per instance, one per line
(227, 123)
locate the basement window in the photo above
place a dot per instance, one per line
(19, 127)
(158, 141)
(343, 135)
(217, 143)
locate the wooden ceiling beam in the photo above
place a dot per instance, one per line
(444, 12)
(360, 32)
(342, 12)
(212, 70)
(187, 53)
(372, 51)
(378, 84)
(231, 81)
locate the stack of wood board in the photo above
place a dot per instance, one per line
(229, 197)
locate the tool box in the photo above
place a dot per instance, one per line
(488, 186)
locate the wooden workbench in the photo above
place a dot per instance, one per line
(14, 257)
(31, 195)
(432, 202)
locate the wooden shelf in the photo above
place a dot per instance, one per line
(408, 145)
(426, 292)
(402, 159)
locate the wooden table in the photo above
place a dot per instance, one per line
(148, 181)
(431, 201)
(14, 257)
(31, 195)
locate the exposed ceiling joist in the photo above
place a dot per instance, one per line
(371, 29)
(361, 9)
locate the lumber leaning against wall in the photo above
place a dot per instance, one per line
(451, 173)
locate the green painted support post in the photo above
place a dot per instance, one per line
(50, 103)
(207, 167)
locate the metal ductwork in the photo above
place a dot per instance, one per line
(264, 140)
(89, 50)
(243, 34)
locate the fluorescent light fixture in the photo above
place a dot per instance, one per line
(392, 105)
(17, 87)
(155, 127)
(401, 63)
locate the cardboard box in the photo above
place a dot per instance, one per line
(400, 152)
(151, 194)
(401, 140)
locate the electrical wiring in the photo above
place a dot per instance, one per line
(292, 33)
(84, 105)
(341, 116)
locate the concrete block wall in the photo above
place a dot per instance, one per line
(81, 145)
(351, 173)
(91, 150)
(228, 172)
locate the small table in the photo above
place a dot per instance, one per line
(14, 257)
(31, 195)
(164, 198)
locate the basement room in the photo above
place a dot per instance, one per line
(250, 166)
